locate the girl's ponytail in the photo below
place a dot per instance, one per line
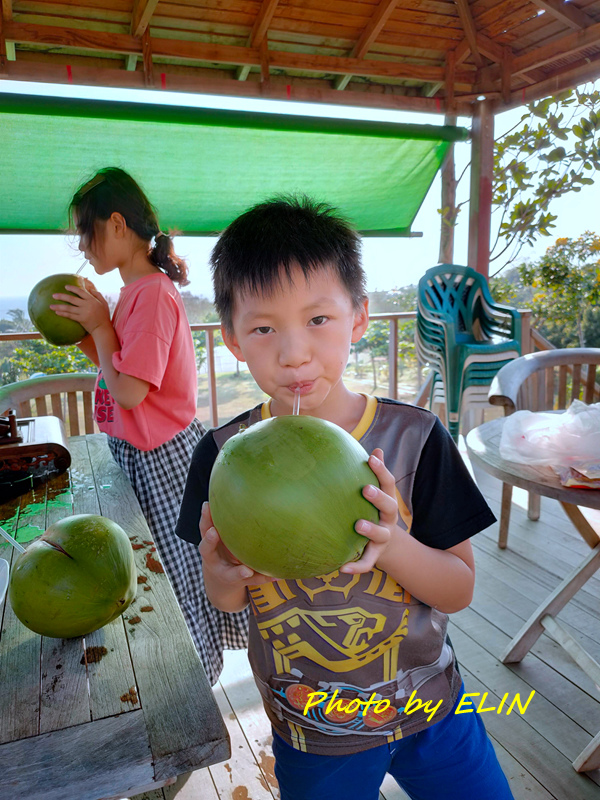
(112, 189)
(163, 256)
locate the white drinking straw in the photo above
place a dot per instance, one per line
(10, 540)
(296, 402)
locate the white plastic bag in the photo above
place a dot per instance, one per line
(544, 438)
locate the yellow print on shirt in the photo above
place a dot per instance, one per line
(347, 631)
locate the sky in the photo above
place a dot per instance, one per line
(389, 263)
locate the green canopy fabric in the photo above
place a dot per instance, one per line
(201, 167)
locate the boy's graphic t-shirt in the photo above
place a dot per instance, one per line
(156, 346)
(359, 637)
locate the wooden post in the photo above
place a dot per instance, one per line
(147, 59)
(446, 255)
(526, 345)
(2, 42)
(265, 76)
(213, 408)
(482, 167)
(393, 359)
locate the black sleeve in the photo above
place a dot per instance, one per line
(447, 504)
(196, 489)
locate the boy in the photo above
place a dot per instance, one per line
(290, 292)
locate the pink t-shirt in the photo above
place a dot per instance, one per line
(157, 347)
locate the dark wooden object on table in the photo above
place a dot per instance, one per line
(123, 710)
(38, 452)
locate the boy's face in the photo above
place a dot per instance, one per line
(298, 337)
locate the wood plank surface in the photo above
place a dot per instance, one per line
(105, 652)
(64, 697)
(523, 785)
(582, 706)
(131, 701)
(544, 717)
(20, 649)
(83, 762)
(19, 679)
(249, 778)
(185, 728)
(538, 757)
(64, 692)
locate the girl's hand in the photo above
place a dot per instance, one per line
(86, 306)
(223, 566)
(380, 534)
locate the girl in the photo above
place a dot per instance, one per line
(145, 397)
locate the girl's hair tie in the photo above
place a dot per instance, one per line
(159, 234)
(91, 184)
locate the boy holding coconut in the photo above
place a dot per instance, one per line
(356, 671)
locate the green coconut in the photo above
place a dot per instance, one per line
(56, 330)
(286, 493)
(78, 577)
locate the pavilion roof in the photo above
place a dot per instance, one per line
(436, 55)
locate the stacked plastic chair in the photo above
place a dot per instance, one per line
(463, 334)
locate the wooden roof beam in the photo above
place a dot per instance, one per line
(462, 52)
(559, 48)
(3, 58)
(506, 79)
(100, 41)
(469, 28)
(46, 69)
(489, 48)
(495, 52)
(566, 13)
(368, 36)
(449, 79)
(141, 16)
(558, 81)
(147, 59)
(7, 49)
(258, 32)
(140, 20)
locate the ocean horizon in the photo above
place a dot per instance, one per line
(7, 303)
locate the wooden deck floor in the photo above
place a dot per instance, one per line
(535, 749)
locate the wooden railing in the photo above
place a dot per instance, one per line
(210, 328)
(393, 318)
(531, 340)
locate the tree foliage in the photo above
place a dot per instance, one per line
(553, 150)
(17, 321)
(39, 356)
(566, 281)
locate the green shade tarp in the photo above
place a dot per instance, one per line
(202, 167)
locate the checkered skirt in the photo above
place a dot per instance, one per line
(158, 478)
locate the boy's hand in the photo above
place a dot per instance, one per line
(223, 566)
(380, 534)
(88, 306)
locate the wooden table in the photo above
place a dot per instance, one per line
(483, 447)
(78, 723)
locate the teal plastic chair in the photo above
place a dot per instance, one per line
(463, 333)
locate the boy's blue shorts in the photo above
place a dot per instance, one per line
(451, 760)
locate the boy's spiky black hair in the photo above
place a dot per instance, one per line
(264, 245)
